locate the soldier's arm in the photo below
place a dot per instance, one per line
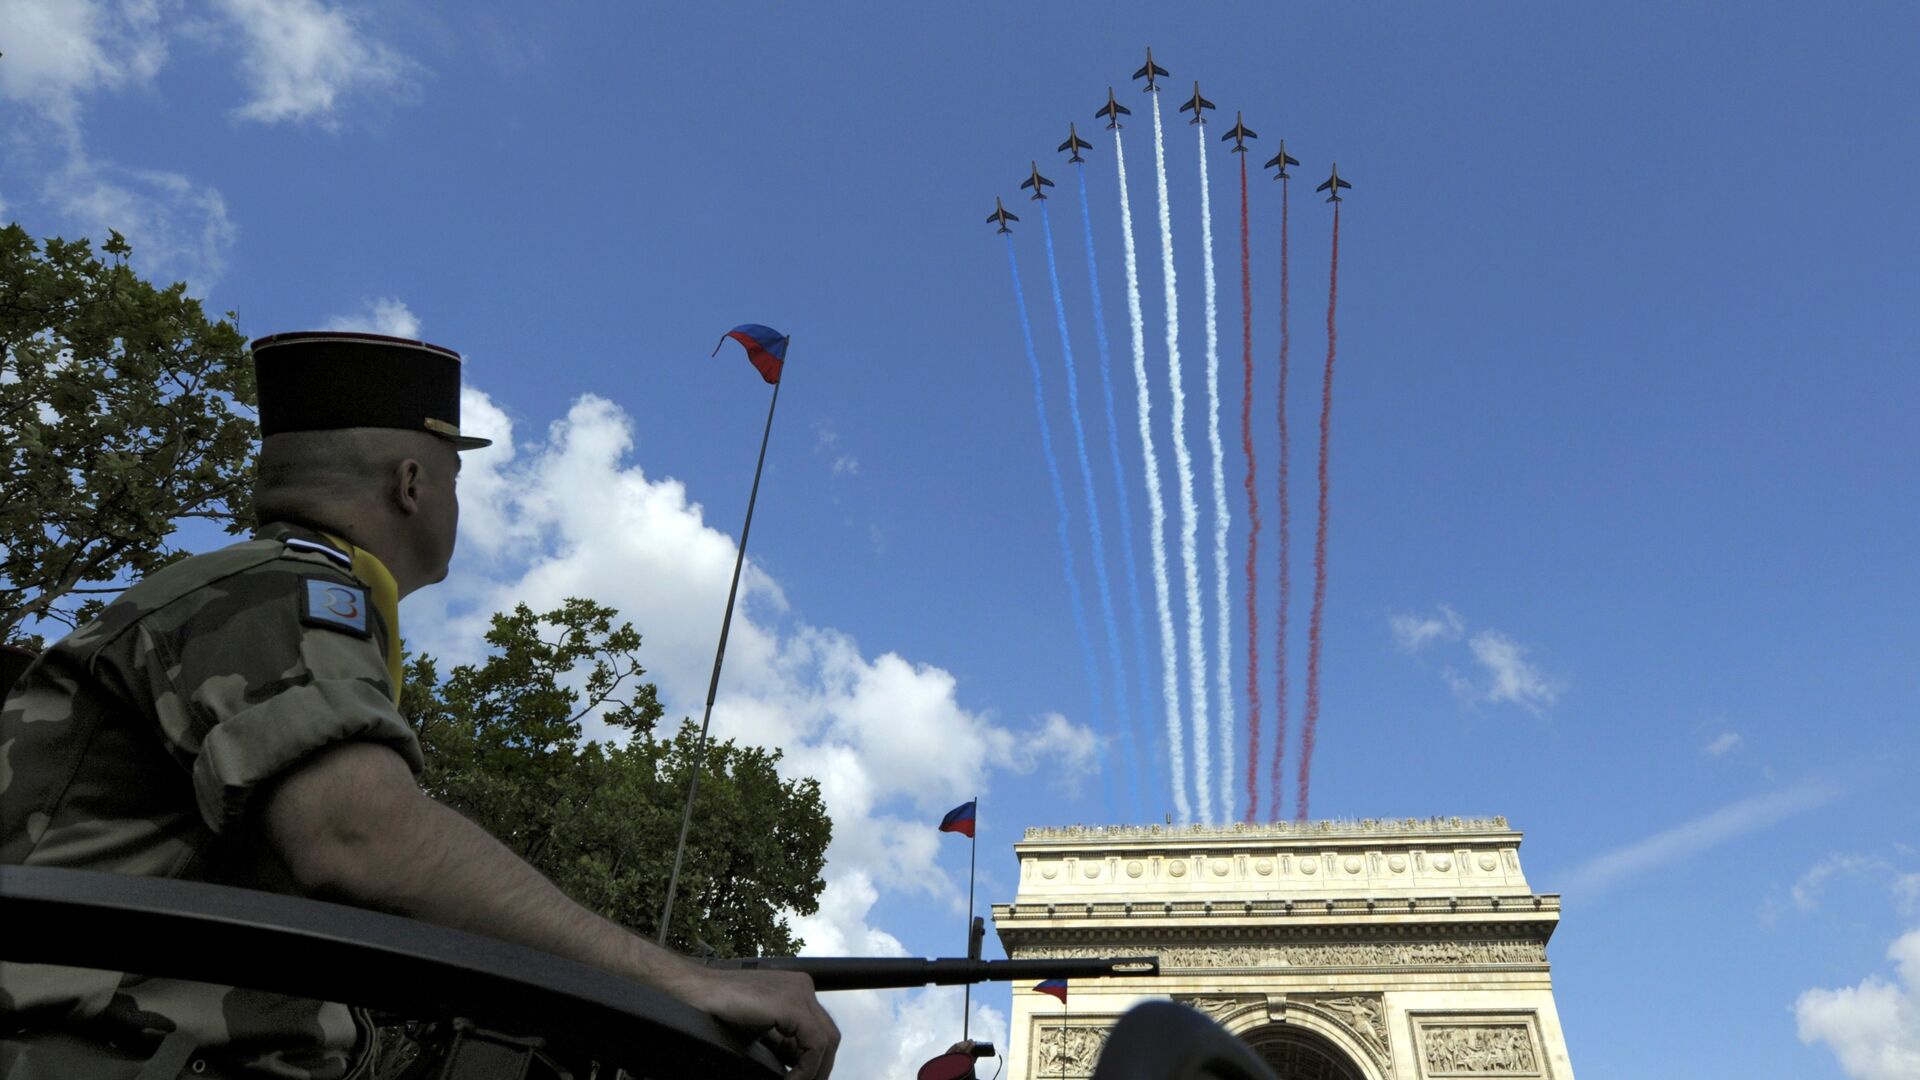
(351, 825)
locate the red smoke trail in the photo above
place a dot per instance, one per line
(1319, 537)
(1286, 533)
(1253, 509)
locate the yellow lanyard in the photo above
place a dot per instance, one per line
(386, 600)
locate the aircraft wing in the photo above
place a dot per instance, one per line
(1324, 186)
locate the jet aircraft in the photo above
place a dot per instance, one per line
(1282, 159)
(1335, 183)
(1001, 215)
(1240, 134)
(1036, 182)
(1152, 69)
(1076, 144)
(1113, 111)
(1197, 104)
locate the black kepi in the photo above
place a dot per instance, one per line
(323, 380)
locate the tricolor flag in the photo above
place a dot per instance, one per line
(959, 819)
(765, 346)
(1054, 987)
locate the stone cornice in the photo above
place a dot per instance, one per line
(1532, 907)
(1019, 934)
(1372, 828)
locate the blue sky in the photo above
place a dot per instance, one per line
(1622, 425)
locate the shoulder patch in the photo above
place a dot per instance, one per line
(340, 557)
(334, 605)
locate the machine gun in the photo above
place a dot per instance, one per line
(506, 1007)
(886, 972)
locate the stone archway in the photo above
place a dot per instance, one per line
(1342, 950)
(1294, 1053)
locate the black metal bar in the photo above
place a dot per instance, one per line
(888, 972)
(288, 945)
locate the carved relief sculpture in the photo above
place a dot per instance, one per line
(1363, 1015)
(1480, 1050)
(1067, 1051)
(1330, 954)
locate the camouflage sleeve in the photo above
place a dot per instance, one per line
(256, 678)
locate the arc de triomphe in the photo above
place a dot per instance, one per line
(1341, 950)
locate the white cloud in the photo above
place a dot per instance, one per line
(1873, 1028)
(888, 737)
(1806, 891)
(826, 443)
(1506, 675)
(1906, 893)
(1735, 819)
(1723, 744)
(1511, 677)
(1411, 633)
(57, 51)
(178, 229)
(384, 315)
(302, 56)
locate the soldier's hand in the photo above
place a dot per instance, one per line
(780, 1008)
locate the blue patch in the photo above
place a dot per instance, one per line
(335, 606)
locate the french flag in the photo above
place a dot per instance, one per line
(1054, 988)
(765, 346)
(960, 819)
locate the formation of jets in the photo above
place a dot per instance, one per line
(1195, 104)
(1150, 71)
(1076, 144)
(1335, 183)
(1240, 134)
(1038, 183)
(1001, 215)
(1112, 111)
(1282, 159)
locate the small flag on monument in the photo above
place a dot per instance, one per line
(1054, 988)
(765, 346)
(960, 819)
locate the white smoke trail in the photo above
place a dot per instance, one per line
(1156, 507)
(1223, 685)
(1183, 467)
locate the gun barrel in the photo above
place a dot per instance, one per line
(887, 972)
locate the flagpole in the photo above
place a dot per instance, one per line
(713, 687)
(973, 856)
(1063, 1036)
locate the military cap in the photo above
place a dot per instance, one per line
(321, 380)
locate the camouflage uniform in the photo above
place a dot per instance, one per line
(135, 745)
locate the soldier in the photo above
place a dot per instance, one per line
(234, 719)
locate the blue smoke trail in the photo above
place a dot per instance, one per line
(1141, 667)
(1060, 504)
(1112, 625)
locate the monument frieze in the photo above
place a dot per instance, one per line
(1337, 954)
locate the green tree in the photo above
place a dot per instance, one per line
(600, 819)
(123, 410)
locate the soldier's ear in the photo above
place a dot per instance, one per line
(406, 486)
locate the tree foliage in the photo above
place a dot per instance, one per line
(123, 410)
(600, 819)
